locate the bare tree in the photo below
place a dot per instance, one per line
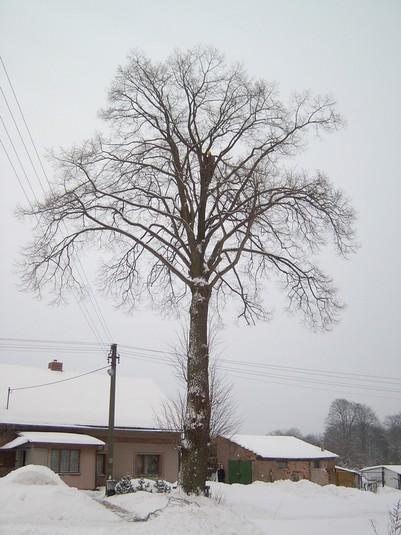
(224, 420)
(355, 433)
(189, 195)
(392, 426)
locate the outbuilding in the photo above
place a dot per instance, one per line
(248, 458)
(346, 477)
(384, 475)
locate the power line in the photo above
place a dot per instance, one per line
(80, 268)
(283, 375)
(60, 381)
(18, 158)
(16, 174)
(51, 341)
(20, 136)
(23, 118)
(82, 306)
(137, 351)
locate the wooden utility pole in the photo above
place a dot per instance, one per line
(112, 359)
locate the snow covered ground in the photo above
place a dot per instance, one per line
(34, 501)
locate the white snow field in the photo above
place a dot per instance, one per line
(34, 501)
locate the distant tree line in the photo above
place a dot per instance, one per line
(354, 432)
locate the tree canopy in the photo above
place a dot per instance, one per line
(191, 194)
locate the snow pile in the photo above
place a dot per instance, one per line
(34, 501)
(141, 505)
(33, 474)
(29, 505)
(304, 508)
(179, 514)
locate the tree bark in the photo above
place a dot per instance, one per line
(195, 449)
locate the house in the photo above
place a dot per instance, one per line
(385, 475)
(71, 454)
(248, 458)
(52, 417)
(345, 477)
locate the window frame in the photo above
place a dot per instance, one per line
(63, 456)
(143, 473)
(102, 456)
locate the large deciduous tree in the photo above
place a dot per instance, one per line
(354, 432)
(189, 194)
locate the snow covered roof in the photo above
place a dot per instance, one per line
(281, 447)
(393, 467)
(347, 470)
(52, 438)
(81, 402)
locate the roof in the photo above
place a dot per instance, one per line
(348, 470)
(80, 402)
(52, 438)
(281, 447)
(393, 467)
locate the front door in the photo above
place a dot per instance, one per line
(240, 472)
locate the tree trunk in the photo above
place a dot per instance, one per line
(195, 449)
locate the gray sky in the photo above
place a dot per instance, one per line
(62, 56)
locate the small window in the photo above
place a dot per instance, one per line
(316, 464)
(147, 465)
(282, 465)
(64, 461)
(100, 464)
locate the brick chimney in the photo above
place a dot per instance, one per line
(55, 366)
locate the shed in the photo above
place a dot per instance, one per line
(248, 458)
(346, 477)
(385, 475)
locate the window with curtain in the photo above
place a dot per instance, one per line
(64, 461)
(147, 465)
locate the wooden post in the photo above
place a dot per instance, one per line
(112, 359)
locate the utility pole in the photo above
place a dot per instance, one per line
(112, 360)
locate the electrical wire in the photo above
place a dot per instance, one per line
(80, 269)
(138, 351)
(308, 378)
(60, 381)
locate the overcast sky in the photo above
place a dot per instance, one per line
(61, 57)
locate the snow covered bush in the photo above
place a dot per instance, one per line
(395, 519)
(124, 486)
(144, 485)
(162, 486)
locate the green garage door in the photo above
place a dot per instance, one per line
(240, 472)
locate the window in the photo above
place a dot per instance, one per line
(100, 464)
(64, 461)
(20, 458)
(282, 465)
(147, 465)
(316, 464)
